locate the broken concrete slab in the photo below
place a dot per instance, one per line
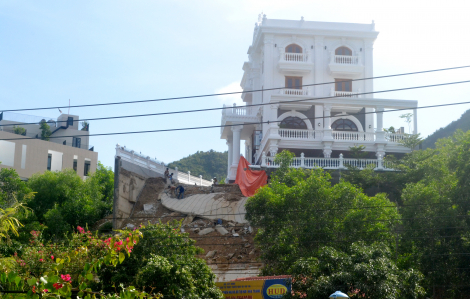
(230, 255)
(188, 220)
(236, 235)
(221, 230)
(206, 231)
(130, 226)
(148, 207)
(211, 254)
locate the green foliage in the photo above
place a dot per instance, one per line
(300, 211)
(411, 141)
(9, 222)
(85, 126)
(45, 131)
(209, 164)
(105, 179)
(463, 123)
(357, 151)
(69, 270)
(64, 200)
(19, 130)
(363, 271)
(390, 130)
(164, 261)
(12, 188)
(408, 118)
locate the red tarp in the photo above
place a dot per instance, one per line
(249, 180)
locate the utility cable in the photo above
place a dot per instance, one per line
(236, 92)
(247, 123)
(245, 106)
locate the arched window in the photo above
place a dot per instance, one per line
(344, 125)
(293, 122)
(293, 48)
(343, 51)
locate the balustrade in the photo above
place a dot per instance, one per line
(353, 136)
(345, 59)
(294, 92)
(394, 137)
(296, 57)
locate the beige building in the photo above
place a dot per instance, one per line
(68, 147)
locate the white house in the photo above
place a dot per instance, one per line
(314, 122)
(68, 145)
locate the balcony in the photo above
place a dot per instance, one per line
(346, 65)
(294, 91)
(295, 63)
(238, 114)
(327, 163)
(297, 134)
(346, 94)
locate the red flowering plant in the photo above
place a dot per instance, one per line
(58, 270)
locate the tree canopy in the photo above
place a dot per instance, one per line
(209, 164)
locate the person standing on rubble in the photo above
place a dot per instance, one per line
(166, 174)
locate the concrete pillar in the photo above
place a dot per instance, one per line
(368, 84)
(319, 66)
(236, 144)
(268, 75)
(318, 124)
(415, 121)
(327, 116)
(230, 155)
(380, 134)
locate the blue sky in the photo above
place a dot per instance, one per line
(111, 51)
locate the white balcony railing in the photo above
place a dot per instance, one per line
(239, 110)
(347, 94)
(394, 137)
(299, 134)
(294, 92)
(345, 59)
(328, 163)
(353, 136)
(294, 57)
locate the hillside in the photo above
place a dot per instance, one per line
(463, 123)
(208, 164)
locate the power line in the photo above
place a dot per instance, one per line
(245, 106)
(236, 92)
(248, 123)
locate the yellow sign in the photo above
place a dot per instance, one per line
(254, 289)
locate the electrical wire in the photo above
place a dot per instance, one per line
(245, 106)
(236, 92)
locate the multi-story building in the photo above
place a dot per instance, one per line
(320, 109)
(68, 146)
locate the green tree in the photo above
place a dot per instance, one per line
(300, 211)
(9, 222)
(357, 151)
(362, 271)
(209, 164)
(64, 200)
(12, 188)
(105, 179)
(164, 261)
(411, 141)
(19, 130)
(45, 131)
(408, 118)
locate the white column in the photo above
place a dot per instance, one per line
(268, 74)
(236, 144)
(318, 125)
(230, 155)
(415, 121)
(380, 134)
(368, 84)
(319, 67)
(327, 115)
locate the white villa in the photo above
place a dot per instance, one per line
(318, 123)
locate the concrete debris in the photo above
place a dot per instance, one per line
(196, 230)
(236, 235)
(211, 254)
(230, 255)
(206, 231)
(182, 230)
(231, 224)
(247, 245)
(221, 230)
(188, 220)
(148, 207)
(130, 226)
(239, 257)
(250, 230)
(252, 252)
(243, 239)
(233, 231)
(174, 214)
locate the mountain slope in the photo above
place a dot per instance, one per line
(463, 123)
(208, 164)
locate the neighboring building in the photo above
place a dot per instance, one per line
(322, 124)
(68, 146)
